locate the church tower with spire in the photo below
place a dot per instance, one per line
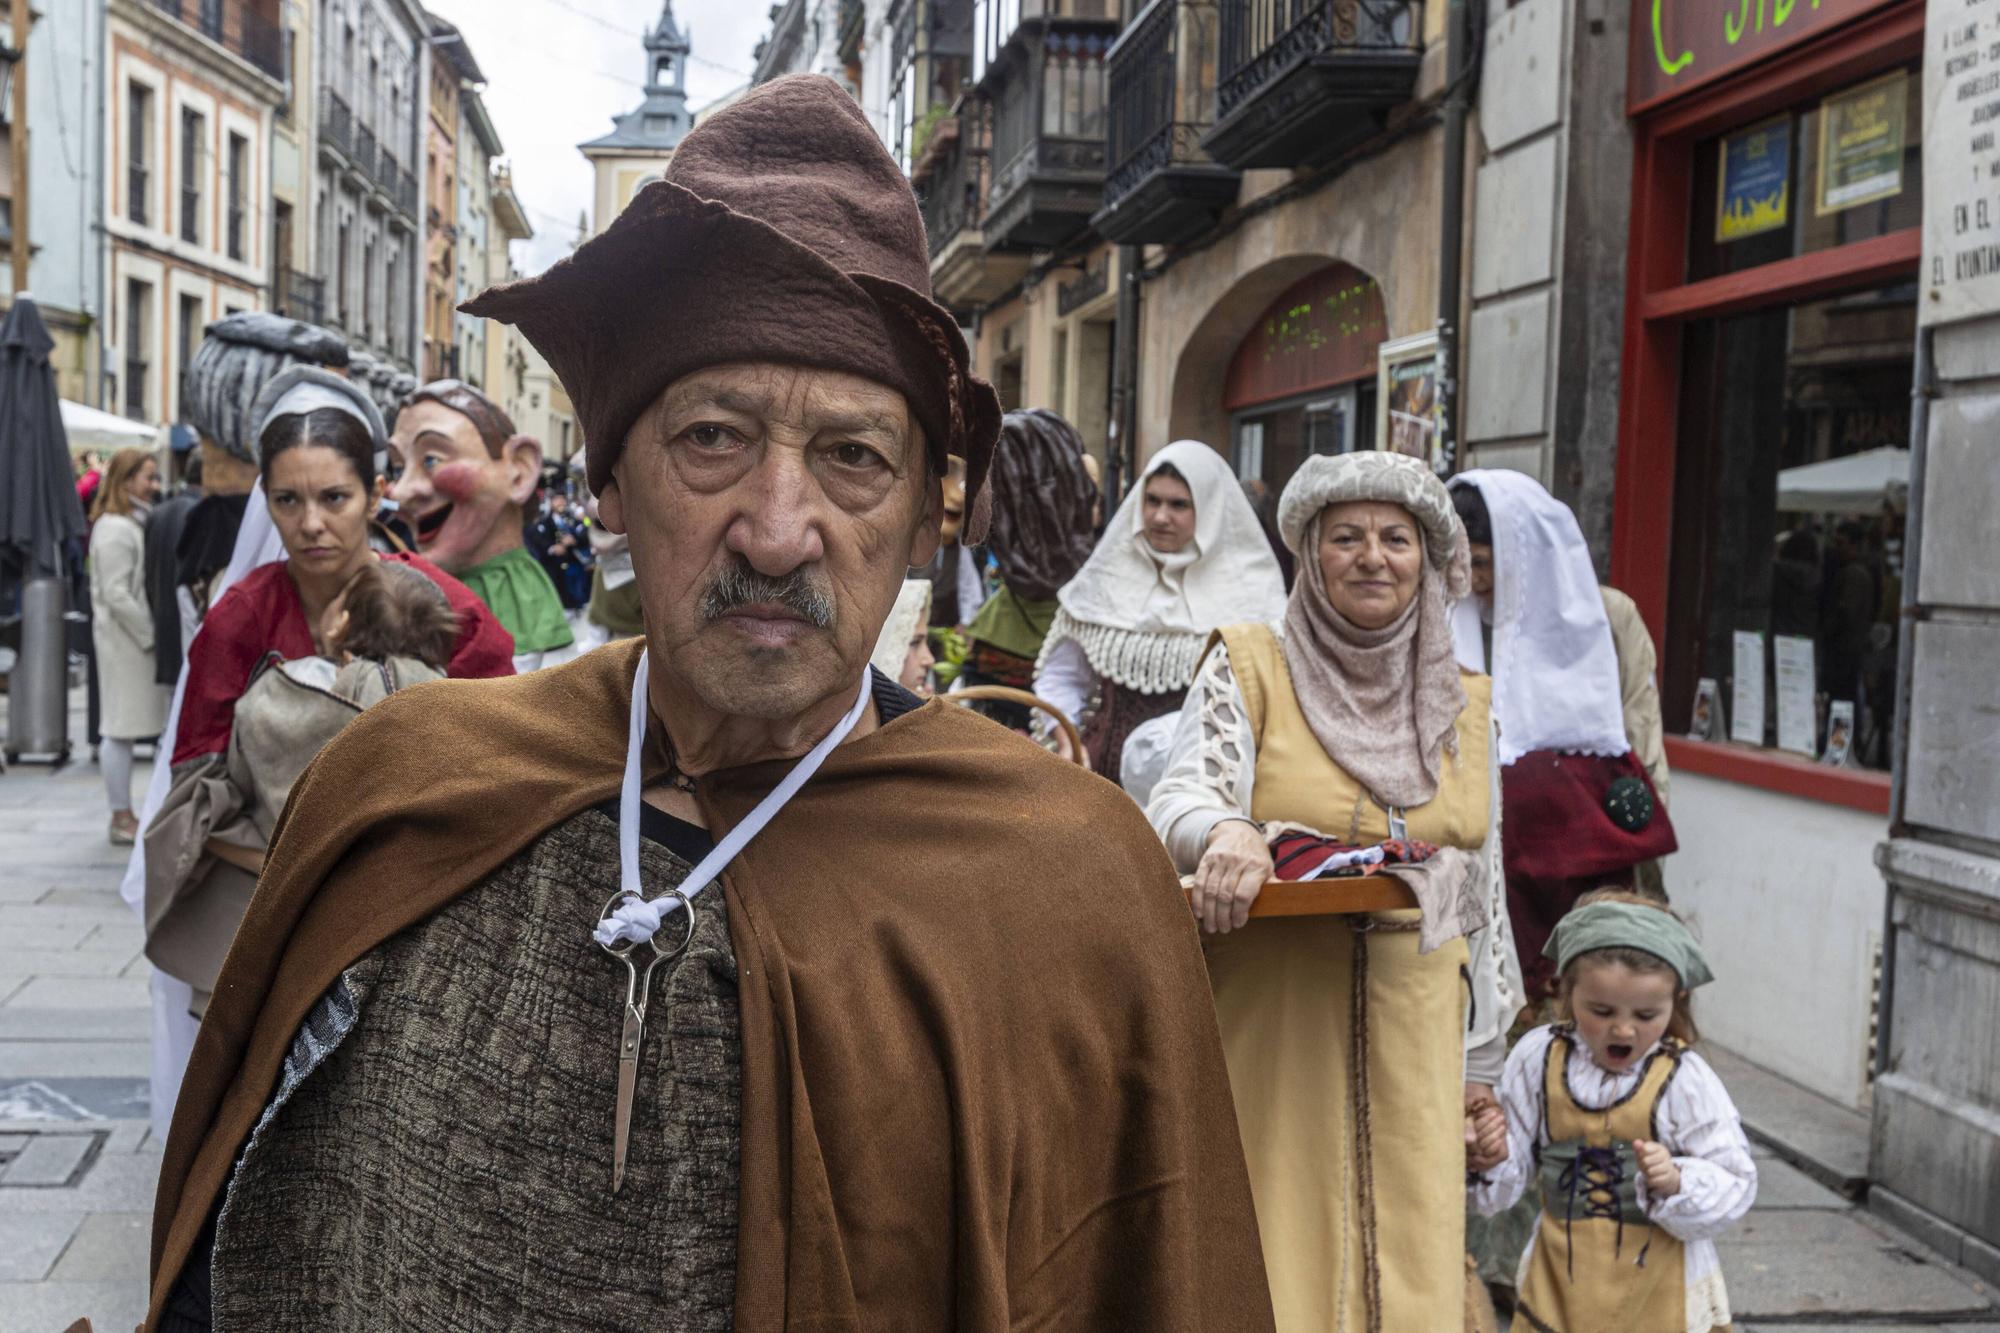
(642, 141)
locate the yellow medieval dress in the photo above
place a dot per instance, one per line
(1346, 1046)
(1579, 1277)
(1605, 1256)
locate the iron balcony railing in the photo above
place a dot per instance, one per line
(1163, 186)
(263, 43)
(135, 387)
(953, 194)
(1261, 38)
(1141, 127)
(1086, 287)
(364, 153)
(301, 296)
(233, 27)
(336, 122)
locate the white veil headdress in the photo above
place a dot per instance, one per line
(1143, 618)
(1554, 667)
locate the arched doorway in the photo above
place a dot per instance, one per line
(1302, 379)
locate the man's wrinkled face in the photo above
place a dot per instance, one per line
(462, 503)
(772, 513)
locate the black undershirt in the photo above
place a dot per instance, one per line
(691, 842)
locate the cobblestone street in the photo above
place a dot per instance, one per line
(78, 1163)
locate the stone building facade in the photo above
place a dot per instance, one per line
(478, 156)
(372, 64)
(65, 63)
(191, 94)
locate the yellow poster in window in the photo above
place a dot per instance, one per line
(1861, 144)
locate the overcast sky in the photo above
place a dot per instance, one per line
(558, 70)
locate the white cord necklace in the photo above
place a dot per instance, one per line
(637, 920)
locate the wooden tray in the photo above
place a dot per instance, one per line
(1332, 897)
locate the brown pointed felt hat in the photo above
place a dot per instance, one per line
(783, 231)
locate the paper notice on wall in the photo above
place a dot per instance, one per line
(1861, 143)
(1797, 684)
(1961, 188)
(1746, 712)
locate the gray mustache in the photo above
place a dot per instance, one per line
(740, 586)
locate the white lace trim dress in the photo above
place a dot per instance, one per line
(1697, 1123)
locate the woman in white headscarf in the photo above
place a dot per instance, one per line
(1583, 773)
(1183, 556)
(1359, 1047)
(903, 649)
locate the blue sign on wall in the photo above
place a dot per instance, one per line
(1753, 190)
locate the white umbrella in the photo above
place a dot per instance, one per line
(89, 428)
(1863, 483)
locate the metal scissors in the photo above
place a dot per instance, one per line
(632, 1036)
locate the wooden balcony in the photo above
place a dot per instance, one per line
(1048, 137)
(998, 25)
(1303, 81)
(1163, 189)
(963, 273)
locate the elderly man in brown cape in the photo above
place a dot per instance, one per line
(897, 1073)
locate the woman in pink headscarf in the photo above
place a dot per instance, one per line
(1362, 1049)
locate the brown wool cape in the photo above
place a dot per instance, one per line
(982, 1086)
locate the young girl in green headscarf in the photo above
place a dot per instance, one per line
(1639, 1150)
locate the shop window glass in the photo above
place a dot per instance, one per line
(1866, 182)
(1790, 488)
(1273, 440)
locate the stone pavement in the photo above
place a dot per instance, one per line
(1807, 1258)
(78, 1163)
(77, 1158)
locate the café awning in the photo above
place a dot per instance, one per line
(88, 428)
(1864, 483)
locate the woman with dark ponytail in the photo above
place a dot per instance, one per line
(318, 437)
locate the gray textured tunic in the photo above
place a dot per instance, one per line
(439, 1156)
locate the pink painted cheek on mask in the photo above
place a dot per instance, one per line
(456, 482)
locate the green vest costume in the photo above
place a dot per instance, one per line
(517, 590)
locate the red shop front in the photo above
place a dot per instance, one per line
(1770, 322)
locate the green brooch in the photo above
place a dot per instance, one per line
(1630, 804)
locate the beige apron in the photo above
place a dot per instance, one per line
(1346, 1047)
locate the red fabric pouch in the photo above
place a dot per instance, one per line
(1556, 821)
